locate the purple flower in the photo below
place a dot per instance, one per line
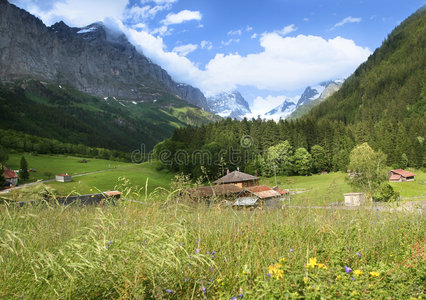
(268, 274)
(352, 278)
(110, 243)
(186, 279)
(198, 241)
(208, 252)
(203, 288)
(291, 250)
(234, 298)
(347, 269)
(240, 296)
(169, 291)
(359, 254)
(197, 251)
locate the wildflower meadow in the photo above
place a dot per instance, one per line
(151, 250)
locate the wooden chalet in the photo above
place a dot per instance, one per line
(10, 177)
(400, 175)
(239, 179)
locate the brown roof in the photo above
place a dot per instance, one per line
(235, 176)
(218, 190)
(9, 174)
(263, 191)
(63, 175)
(403, 173)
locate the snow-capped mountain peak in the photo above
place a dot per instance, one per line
(229, 104)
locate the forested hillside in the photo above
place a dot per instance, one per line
(65, 114)
(382, 103)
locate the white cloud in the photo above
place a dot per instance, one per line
(306, 19)
(159, 2)
(138, 13)
(184, 50)
(249, 28)
(287, 29)
(254, 35)
(345, 21)
(182, 16)
(229, 42)
(77, 13)
(235, 32)
(206, 45)
(263, 105)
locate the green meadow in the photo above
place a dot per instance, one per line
(311, 190)
(173, 250)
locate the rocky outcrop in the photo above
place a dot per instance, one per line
(94, 59)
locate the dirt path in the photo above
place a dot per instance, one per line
(48, 180)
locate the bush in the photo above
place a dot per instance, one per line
(385, 193)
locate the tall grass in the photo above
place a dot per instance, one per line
(151, 250)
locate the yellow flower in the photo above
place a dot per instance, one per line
(305, 280)
(279, 266)
(320, 266)
(358, 272)
(283, 259)
(374, 274)
(312, 263)
(91, 190)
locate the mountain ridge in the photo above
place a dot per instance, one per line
(98, 62)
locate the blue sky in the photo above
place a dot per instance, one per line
(267, 49)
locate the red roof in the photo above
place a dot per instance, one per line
(403, 173)
(63, 175)
(263, 191)
(395, 177)
(9, 174)
(258, 188)
(282, 191)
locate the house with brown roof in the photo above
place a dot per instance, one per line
(400, 175)
(10, 177)
(239, 179)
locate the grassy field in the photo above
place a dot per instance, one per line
(176, 251)
(137, 174)
(317, 189)
(329, 188)
(48, 166)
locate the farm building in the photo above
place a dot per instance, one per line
(63, 178)
(400, 175)
(10, 177)
(260, 195)
(239, 179)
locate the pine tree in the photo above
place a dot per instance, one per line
(23, 172)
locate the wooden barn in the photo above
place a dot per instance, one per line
(400, 175)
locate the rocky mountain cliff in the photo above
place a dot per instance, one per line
(93, 59)
(229, 104)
